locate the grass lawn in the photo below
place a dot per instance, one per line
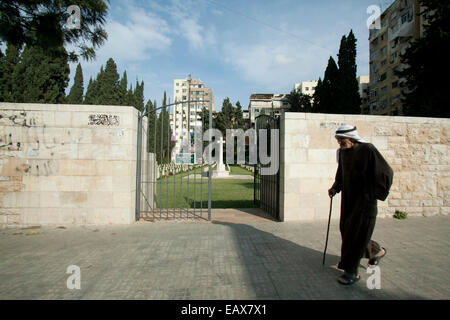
(226, 193)
(235, 169)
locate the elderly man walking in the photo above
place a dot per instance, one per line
(363, 176)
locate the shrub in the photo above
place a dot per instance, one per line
(400, 215)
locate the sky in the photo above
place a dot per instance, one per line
(236, 47)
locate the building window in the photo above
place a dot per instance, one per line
(374, 67)
(394, 84)
(393, 57)
(405, 18)
(383, 50)
(383, 63)
(374, 55)
(383, 36)
(383, 76)
(177, 84)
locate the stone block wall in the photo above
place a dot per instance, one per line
(67, 164)
(416, 148)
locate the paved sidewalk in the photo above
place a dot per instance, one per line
(235, 256)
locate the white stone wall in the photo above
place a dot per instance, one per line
(416, 148)
(67, 164)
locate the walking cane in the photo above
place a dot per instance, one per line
(328, 230)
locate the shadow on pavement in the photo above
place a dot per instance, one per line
(281, 269)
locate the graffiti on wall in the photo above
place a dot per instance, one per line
(103, 120)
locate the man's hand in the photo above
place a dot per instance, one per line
(332, 192)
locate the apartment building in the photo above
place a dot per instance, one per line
(400, 24)
(266, 103)
(306, 87)
(185, 116)
(363, 82)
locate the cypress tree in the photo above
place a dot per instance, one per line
(317, 96)
(7, 66)
(138, 96)
(90, 92)
(109, 85)
(93, 89)
(163, 133)
(239, 117)
(76, 92)
(348, 98)
(329, 90)
(151, 126)
(130, 96)
(41, 76)
(123, 89)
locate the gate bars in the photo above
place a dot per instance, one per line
(266, 188)
(161, 192)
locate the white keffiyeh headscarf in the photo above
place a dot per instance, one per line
(347, 131)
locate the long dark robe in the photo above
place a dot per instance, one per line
(363, 176)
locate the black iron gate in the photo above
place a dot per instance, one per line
(266, 187)
(171, 182)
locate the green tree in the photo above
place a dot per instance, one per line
(238, 117)
(423, 94)
(138, 96)
(299, 102)
(164, 144)
(108, 85)
(317, 96)
(130, 96)
(225, 117)
(8, 64)
(123, 96)
(44, 24)
(328, 93)
(76, 92)
(90, 92)
(41, 76)
(151, 123)
(93, 89)
(348, 99)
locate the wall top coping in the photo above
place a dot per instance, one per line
(66, 107)
(359, 117)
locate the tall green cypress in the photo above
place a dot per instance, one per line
(75, 95)
(93, 89)
(130, 96)
(151, 126)
(317, 96)
(123, 98)
(329, 90)
(138, 96)
(7, 66)
(109, 85)
(41, 76)
(348, 99)
(163, 133)
(90, 91)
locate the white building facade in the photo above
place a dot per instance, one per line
(306, 87)
(270, 104)
(186, 116)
